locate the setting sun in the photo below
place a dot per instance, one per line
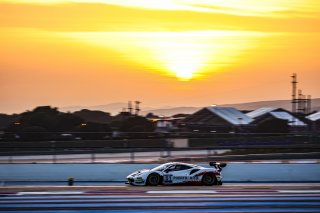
(185, 55)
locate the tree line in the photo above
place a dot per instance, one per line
(47, 119)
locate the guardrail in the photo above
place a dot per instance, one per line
(165, 148)
(133, 155)
(115, 135)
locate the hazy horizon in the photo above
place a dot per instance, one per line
(164, 53)
(118, 106)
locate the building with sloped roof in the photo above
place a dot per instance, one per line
(292, 120)
(268, 114)
(261, 111)
(314, 121)
(314, 117)
(218, 119)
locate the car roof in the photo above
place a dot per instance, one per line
(174, 163)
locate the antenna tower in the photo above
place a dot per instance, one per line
(294, 93)
(137, 107)
(301, 105)
(130, 107)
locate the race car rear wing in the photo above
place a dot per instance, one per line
(217, 165)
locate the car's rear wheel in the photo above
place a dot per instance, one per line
(209, 179)
(153, 179)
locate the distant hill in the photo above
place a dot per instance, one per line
(115, 108)
(111, 108)
(171, 111)
(285, 104)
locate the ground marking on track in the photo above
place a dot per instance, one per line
(299, 191)
(229, 191)
(166, 192)
(183, 192)
(51, 193)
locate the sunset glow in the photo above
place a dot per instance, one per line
(185, 55)
(168, 52)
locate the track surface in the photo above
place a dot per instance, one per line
(226, 198)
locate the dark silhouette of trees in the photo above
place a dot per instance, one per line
(150, 115)
(134, 124)
(93, 131)
(68, 122)
(45, 119)
(43, 116)
(47, 123)
(94, 116)
(6, 120)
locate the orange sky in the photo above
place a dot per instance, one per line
(161, 52)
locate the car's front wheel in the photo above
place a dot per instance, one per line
(153, 179)
(209, 179)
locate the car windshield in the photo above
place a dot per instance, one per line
(161, 167)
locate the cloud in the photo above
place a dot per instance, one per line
(269, 8)
(114, 18)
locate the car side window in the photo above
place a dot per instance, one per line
(170, 168)
(180, 167)
(194, 171)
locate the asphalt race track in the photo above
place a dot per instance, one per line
(118, 198)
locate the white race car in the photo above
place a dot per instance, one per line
(178, 174)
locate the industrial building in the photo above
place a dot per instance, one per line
(217, 119)
(273, 116)
(314, 121)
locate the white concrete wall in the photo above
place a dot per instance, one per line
(242, 172)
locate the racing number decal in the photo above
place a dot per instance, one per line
(167, 178)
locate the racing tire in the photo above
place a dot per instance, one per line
(209, 179)
(153, 179)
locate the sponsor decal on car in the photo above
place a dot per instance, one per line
(139, 180)
(167, 178)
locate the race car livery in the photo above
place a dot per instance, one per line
(178, 173)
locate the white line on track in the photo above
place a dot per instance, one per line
(183, 192)
(298, 191)
(51, 193)
(170, 192)
(215, 192)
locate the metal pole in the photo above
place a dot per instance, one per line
(53, 147)
(168, 152)
(132, 157)
(54, 158)
(209, 152)
(93, 157)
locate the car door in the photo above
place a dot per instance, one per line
(168, 175)
(179, 173)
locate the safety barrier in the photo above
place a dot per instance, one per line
(234, 172)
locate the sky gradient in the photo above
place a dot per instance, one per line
(161, 52)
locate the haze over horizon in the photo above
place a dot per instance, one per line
(161, 52)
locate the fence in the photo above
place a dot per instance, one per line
(147, 148)
(140, 155)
